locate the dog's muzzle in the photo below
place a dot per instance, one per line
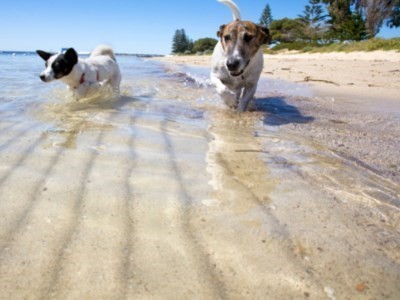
(46, 78)
(233, 65)
(42, 77)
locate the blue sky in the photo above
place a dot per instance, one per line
(129, 26)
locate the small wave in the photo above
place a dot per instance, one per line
(192, 79)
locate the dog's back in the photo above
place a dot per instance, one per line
(103, 50)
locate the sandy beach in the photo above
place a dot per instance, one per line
(163, 193)
(367, 74)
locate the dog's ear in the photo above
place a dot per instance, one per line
(44, 55)
(71, 56)
(221, 30)
(264, 35)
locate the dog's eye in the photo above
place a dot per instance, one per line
(247, 37)
(227, 38)
(58, 65)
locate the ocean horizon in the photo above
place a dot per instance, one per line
(22, 52)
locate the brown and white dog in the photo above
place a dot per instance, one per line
(237, 60)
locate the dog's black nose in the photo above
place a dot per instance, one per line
(233, 64)
(43, 78)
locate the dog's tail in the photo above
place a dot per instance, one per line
(234, 9)
(103, 50)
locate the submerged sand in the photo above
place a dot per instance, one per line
(150, 197)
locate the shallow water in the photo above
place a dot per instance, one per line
(163, 193)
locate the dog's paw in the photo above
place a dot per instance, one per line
(230, 100)
(243, 107)
(251, 107)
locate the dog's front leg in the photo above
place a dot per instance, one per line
(229, 98)
(81, 90)
(247, 96)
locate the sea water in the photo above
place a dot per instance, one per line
(162, 192)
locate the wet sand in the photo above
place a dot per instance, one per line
(355, 103)
(165, 194)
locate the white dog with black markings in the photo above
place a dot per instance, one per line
(82, 75)
(237, 60)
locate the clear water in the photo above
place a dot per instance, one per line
(163, 193)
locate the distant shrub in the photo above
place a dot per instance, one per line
(205, 44)
(347, 46)
(368, 45)
(307, 49)
(299, 46)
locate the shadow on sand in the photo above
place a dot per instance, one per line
(279, 112)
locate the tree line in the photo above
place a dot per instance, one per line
(182, 44)
(321, 22)
(329, 21)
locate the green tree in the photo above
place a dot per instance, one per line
(353, 28)
(345, 22)
(181, 42)
(286, 30)
(266, 17)
(190, 46)
(176, 41)
(204, 44)
(394, 19)
(376, 12)
(313, 21)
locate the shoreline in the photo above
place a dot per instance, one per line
(355, 103)
(369, 75)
